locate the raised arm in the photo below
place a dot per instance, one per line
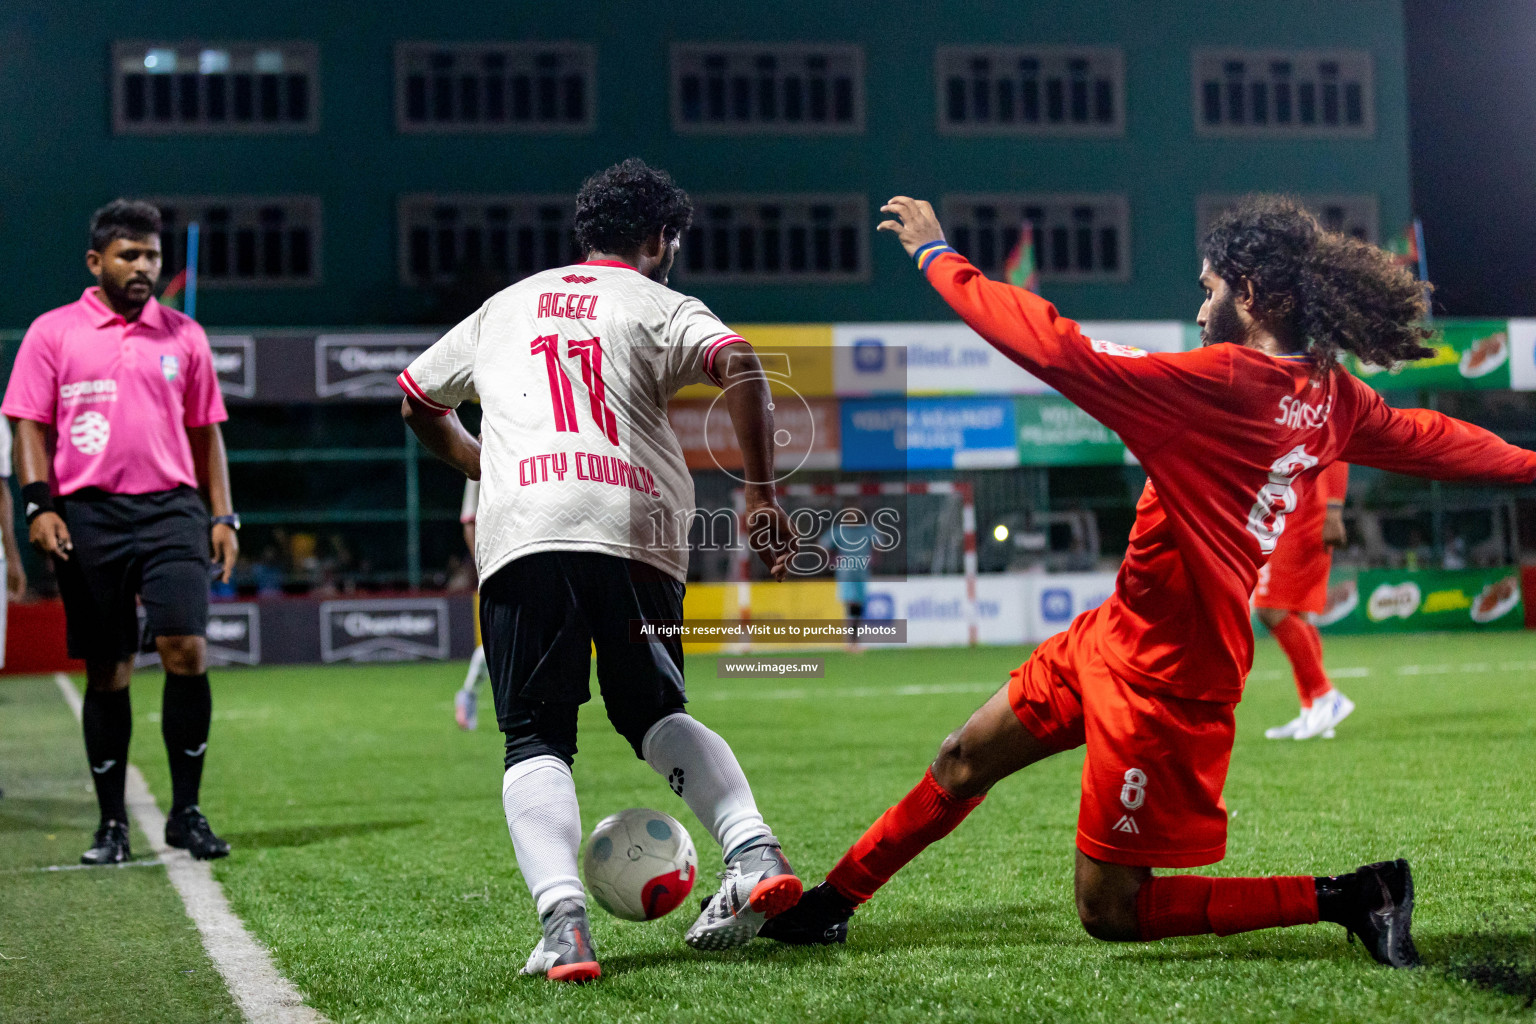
(1424, 443)
(1144, 397)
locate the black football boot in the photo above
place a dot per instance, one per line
(819, 919)
(1375, 903)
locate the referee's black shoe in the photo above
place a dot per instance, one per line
(110, 845)
(188, 830)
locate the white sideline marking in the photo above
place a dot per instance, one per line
(146, 862)
(263, 995)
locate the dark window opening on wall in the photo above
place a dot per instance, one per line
(192, 88)
(770, 88)
(444, 238)
(244, 240)
(989, 89)
(1075, 238)
(494, 87)
(777, 238)
(1268, 92)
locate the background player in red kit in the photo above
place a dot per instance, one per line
(1294, 582)
(1231, 436)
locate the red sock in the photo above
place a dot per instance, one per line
(1304, 646)
(1172, 905)
(923, 817)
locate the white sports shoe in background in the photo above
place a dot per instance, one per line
(1289, 729)
(1325, 713)
(466, 709)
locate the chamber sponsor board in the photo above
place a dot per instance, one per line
(364, 365)
(806, 433)
(397, 630)
(935, 608)
(1054, 600)
(1054, 432)
(1469, 354)
(929, 433)
(234, 363)
(950, 358)
(234, 636)
(1379, 600)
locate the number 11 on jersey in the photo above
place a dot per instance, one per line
(590, 352)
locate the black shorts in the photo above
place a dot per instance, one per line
(540, 617)
(153, 547)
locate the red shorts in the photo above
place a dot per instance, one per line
(1295, 579)
(1156, 764)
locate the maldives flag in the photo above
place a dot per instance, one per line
(172, 294)
(1019, 269)
(1407, 247)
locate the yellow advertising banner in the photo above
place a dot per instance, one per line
(796, 358)
(796, 599)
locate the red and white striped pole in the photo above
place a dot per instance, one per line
(961, 489)
(968, 524)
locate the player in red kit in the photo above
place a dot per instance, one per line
(1294, 582)
(1232, 436)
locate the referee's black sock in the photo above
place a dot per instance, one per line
(106, 718)
(185, 711)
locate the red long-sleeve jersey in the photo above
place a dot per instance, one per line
(1230, 439)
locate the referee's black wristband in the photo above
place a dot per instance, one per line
(36, 499)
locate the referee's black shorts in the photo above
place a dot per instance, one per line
(153, 547)
(540, 617)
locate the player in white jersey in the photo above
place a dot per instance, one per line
(10, 555)
(466, 702)
(581, 540)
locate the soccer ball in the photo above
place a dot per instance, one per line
(640, 864)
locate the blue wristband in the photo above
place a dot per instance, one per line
(926, 254)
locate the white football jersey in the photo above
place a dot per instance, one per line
(573, 368)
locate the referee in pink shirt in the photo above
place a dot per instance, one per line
(121, 392)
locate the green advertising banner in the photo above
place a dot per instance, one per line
(1469, 354)
(1424, 600)
(1054, 432)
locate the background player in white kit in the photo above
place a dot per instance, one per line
(10, 555)
(466, 702)
(577, 540)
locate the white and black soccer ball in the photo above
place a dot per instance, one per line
(640, 864)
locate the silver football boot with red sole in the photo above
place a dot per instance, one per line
(756, 886)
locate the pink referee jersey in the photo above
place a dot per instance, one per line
(119, 395)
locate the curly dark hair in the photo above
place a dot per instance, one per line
(123, 218)
(1325, 291)
(618, 209)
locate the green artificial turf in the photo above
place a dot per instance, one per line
(101, 944)
(371, 852)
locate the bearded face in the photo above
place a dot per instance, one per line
(1225, 322)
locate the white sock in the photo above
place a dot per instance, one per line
(700, 767)
(539, 797)
(476, 671)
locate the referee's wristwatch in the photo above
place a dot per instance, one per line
(232, 521)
